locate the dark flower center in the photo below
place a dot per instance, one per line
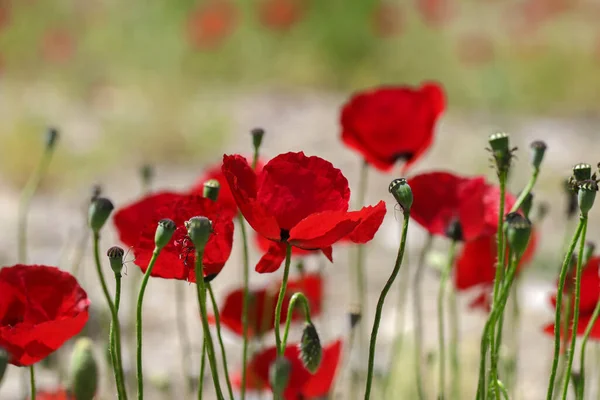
(454, 230)
(14, 314)
(284, 235)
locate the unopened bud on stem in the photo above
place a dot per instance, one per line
(279, 375)
(83, 370)
(199, 230)
(311, 351)
(99, 211)
(115, 257)
(518, 231)
(164, 232)
(402, 192)
(538, 149)
(586, 196)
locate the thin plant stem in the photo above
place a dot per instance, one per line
(503, 390)
(202, 367)
(578, 272)
(184, 341)
(291, 307)
(565, 343)
(246, 300)
(210, 348)
(525, 192)
(118, 368)
(418, 315)
(220, 337)
(111, 338)
(559, 296)
(282, 290)
(138, 325)
(586, 336)
(500, 326)
(515, 330)
(454, 346)
(32, 381)
(441, 299)
(381, 301)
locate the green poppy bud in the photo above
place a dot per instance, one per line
(454, 230)
(51, 138)
(588, 251)
(164, 232)
(3, 362)
(83, 370)
(99, 211)
(211, 189)
(115, 257)
(499, 142)
(257, 137)
(402, 192)
(527, 204)
(279, 375)
(586, 196)
(582, 172)
(199, 230)
(311, 351)
(518, 230)
(538, 149)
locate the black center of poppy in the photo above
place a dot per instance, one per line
(284, 235)
(454, 230)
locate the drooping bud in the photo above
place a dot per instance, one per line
(586, 196)
(279, 375)
(402, 192)
(51, 138)
(211, 189)
(311, 351)
(538, 149)
(582, 172)
(164, 232)
(115, 257)
(527, 204)
(257, 137)
(83, 370)
(3, 362)
(518, 231)
(588, 251)
(99, 211)
(199, 230)
(147, 175)
(454, 230)
(354, 316)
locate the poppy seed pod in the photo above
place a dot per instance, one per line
(211, 189)
(311, 351)
(499, 142)
(402, 192)
(527, 204)
(582, 172)
(99, 211)
(279, 375)
(199, 230)
(518, 231)
(3, 362)
(83, 370)
(51, 137)
(164, 232)
(538, 149)
(586, 195)
(257, 137)
(115, 257)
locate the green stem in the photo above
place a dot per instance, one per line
(586, 335)
(503, 390)
(210, 348)
(559, 303)
(297, 296)
(118, 367)
(359, 274)
(579, 269)
(111, 339)
(246, 299)
(441, 330)
(219, 336)
(138, 325)
(418, 316)
(202, 367)
(515, 327)
(184, 341)
(380, 302)
(525, 192)
(454, 346)
(282, 290)
(32, 381)
(565, 343)
(499, 329)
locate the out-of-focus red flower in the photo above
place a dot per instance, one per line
(211, 23)
(442, 197)
(41, 307)
(57, 394)
(298, 200)
(261, 310)
(58, 45)
(436, 13)
(388, 124)
(137, 224)
(475, 49)
(387, 19)
(281, 15)
(301, 384)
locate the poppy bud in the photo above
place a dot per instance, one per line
(211, 189)
(527, 204)
(257, 137)
(354, 316)
(499, 142)
(83, 370)
(454, 230)
(51, 138)
(147, 174)
(98, 213)
(164, 232)
(311, 351)
(199, 230)
(518, 230)
(582, 172)
(3, 363)
(279, 375)
(538, 148)
(402, 192)
(588, 251)
(115, 257)
(586, 196)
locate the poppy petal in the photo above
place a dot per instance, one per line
(371, 218)
(328, 252)
(323, 229)
(272, 259)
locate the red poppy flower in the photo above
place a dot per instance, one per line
(281, 15)
(210, 24)
(176, 260)
(58, 45)
(301, 383)
(436, 13)
(58, 394)
(298, 200)
(388, 124)
(41, 307)
(441, 198)
(387, 19)
(262, 305)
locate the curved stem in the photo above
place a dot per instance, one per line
(418, 316)
(202, 367)
(380, 302)
(575, 309)
(559, 302)
(525, 192)
(218, 326)
(111, 339)
(297, 296)
(246, 299)
(184, 341)
(282, 290)
(138, 325)
(441, 330)
(118, 368)
(32, 381)
(586, 336)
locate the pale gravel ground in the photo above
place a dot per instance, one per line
(308, 121)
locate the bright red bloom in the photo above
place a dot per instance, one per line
(388, 124)
(442, 197)
(137, 224)
(301, 384)
(298, 200)
(261, 310)
(57, 394)
(281, 15)
(210, 24)
(41, 308)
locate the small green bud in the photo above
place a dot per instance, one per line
(402, 192)
(51, 138)
(582, 172)
(83, 370)
(199, 230)
(586, 196)
(527, 204)
(354, 316)
(538, 149)
(164, 232)
(279, 375)
(115, 257)
(454, 230)
(147, 174)
(99, 211)
(311, 351)
(499, 142)
(212, 187)
(518, 231)
(257, 137)
(588, 251)
(4, 356)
